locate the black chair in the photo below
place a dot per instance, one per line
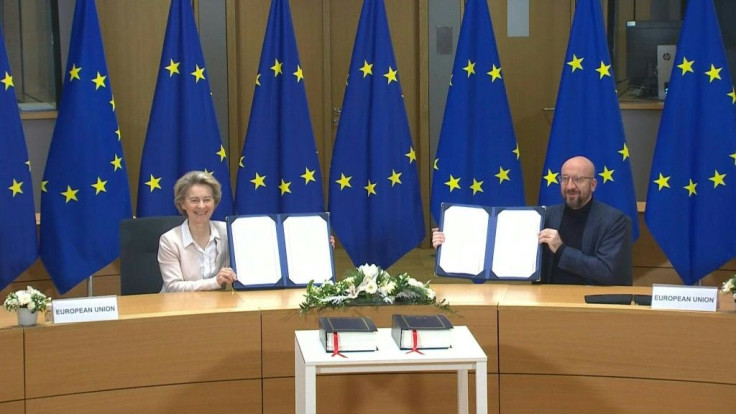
(139, 271)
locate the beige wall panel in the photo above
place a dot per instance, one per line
(379, 394)
(532, 68)
(547, 394)
(243, 396)
(598, 339)
(11, 360)
(76, 358)
(15, 407)
(133, 34)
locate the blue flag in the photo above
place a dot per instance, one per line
(182, 131)
(587, 118)
(18, 243)
(374, 187)
(279, 170)
(85, 189)
(692, 188)
(477, 156)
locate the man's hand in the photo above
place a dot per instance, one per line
(552, 238)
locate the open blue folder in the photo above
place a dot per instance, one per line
(280, 250)
(490, 243)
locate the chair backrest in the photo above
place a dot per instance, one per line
(139, 271)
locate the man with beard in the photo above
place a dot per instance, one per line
(586, 242)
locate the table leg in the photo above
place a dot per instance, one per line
(462, 391)
(305, 390)
(481, 388)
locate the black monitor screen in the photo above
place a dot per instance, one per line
(642, 38)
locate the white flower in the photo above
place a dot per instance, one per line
(415, 283)
(430, 294)
(370, 271)
(371, 287)
(24, 298)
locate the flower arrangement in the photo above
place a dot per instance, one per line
(369, 285)
(29, 298)
(729, 286)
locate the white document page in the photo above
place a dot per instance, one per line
(516, 244)
(464, 249)
(308, 255)
(256, 250)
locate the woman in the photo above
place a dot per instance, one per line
(194, 256)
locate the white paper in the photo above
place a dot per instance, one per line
(516, 243)
(308, 255)
(466, 231)
(256, 250)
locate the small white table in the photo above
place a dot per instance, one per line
(311, 359)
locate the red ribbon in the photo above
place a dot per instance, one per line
(335, 346)
(415, 343)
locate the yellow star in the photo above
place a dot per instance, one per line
(154, 183)
(259, 181)
(70, 194)
(8, 81)
(284, 187)
(367, 68)
(516, 151)
(551, 177)
(117, 163)
(734, 158)
(240, 162)
(411, 155)
(732, 94)
(370, 188)
(607, 174)
(258, 79)
(718, 179)
(470, 68)
(112, 102)
(454, 183)
(691, 188)
(173, 67)
(344, 181)
(198, 73)
(221, 153)
(686, 66)
(308, 176)
(576, 63)
(28, 163)
(276, 68)
(74, 72)
(390, 75)
(99, 186)
(99, 81)
(714, 73)
(662, 182)
(477, 186)
(502, 175)
(299, 73)
(395, 178)
(494, 73)
(16, 187)
(117, 132)
(624, 152)
(43, 186)
(604, 70)
(436, 160)
(206, 171)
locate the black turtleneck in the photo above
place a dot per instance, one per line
(571, 232)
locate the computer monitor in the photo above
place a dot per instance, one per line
(642, 39)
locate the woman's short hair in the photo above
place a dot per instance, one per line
(191, 178)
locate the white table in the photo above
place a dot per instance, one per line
(312, 359)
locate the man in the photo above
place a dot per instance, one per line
(586, 242)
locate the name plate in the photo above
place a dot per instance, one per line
(693, 298)
(98, 308)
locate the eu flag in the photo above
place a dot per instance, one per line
(587, 118)
(18, 244)
(692, 188)
(477, 158)
(374, 188)
(279, 170)
(85, 189)
(182, 130)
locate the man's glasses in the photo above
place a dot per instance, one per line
(577, 179)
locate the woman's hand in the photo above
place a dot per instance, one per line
(226, 275)
(438, 237)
